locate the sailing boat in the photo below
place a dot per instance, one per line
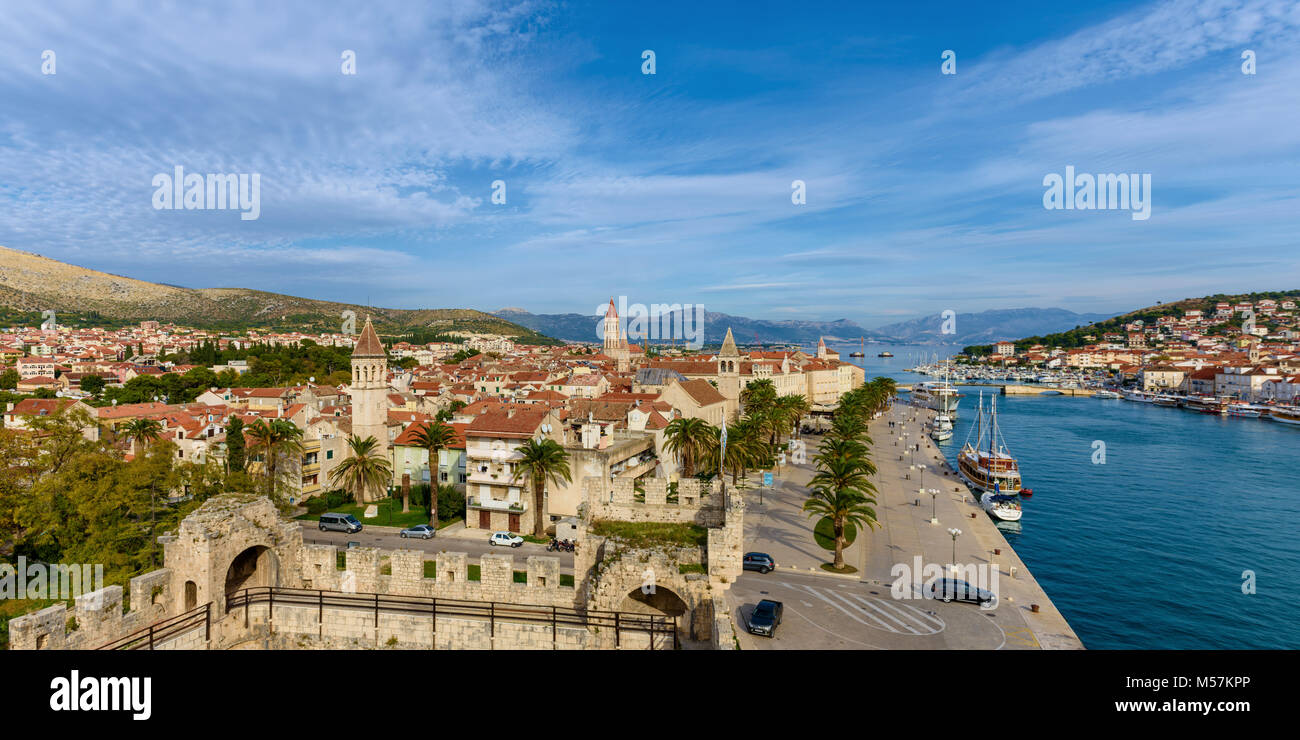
(862, 341)
(992, 470)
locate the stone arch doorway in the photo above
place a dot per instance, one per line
(662, 602)
(191, 595)
(255, 566)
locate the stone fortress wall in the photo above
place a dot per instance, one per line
(238, 544)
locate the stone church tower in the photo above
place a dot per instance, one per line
(729, 375)
(369, 389)
(616, 340)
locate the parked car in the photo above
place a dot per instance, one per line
(423, 531)
(759, 561)
(766, 617)
(339, 523)
(955, 589)
(505, 538)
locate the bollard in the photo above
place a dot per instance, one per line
(1033, 608)
(1013, 572)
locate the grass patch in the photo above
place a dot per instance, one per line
(430, 569)
(566, 579)
(474, 573)
(390, 514)
(521, 576)
(685, 568)
(649, 534)
(824, 533)
(846, 569)
(536, 540)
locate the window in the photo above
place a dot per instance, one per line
(329, 454)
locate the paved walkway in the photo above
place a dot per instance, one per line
(906, 515)
(858, 610)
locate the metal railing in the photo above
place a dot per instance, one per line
(492, 612)
(149, 637)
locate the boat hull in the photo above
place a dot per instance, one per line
(1004, 513)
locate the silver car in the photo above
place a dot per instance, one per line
(423, 531)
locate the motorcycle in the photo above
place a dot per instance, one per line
(554, 545)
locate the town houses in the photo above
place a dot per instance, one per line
(607, 404)
(1247, 350)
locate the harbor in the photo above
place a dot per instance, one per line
(1130, 498)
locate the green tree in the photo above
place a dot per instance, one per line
(434, 436)
(363, 472)
(690, 440)
(235, 445)
(541, 462)
(92, 384)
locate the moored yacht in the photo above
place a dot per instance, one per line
(1285, 415)
(991, 470)
(1139, 396)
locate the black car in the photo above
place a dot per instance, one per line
(766, 617)
(955, 589)
(759, 561)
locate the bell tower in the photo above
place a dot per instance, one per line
(616, 340)
(729, 375)
(369, 389)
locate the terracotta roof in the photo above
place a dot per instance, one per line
(520, 424)
(703, 392)
(368, 345)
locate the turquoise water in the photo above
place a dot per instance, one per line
(1148, 549)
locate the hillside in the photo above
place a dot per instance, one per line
(30, 284)
(1076, 337)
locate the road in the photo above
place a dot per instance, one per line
(387, 538)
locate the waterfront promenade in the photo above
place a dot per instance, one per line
(831, 611)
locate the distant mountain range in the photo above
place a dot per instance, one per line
(993, 325)
(971, 328)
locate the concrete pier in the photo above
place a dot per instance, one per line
(906, 515)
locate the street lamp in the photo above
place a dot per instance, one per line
(921, 467)
(934, 505)
(955, 534)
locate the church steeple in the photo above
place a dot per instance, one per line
(368, 344)
(369, 388)
(729, 346)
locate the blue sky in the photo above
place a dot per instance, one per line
(924, 191)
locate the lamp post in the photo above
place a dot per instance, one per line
(934, 505)
(921, 467)
(955, 534)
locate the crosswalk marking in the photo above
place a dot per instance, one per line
(882, 614)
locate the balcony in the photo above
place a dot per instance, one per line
(495, 505)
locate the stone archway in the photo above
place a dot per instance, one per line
(660, 602)
(255, 566)
(191, 595)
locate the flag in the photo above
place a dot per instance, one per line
(722, 458)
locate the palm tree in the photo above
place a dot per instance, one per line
(279, 438)
(758, 396)
(689, 439)
(434, 437)
(142, 432)
(363, 471)
(541, 462)
(843, 507)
